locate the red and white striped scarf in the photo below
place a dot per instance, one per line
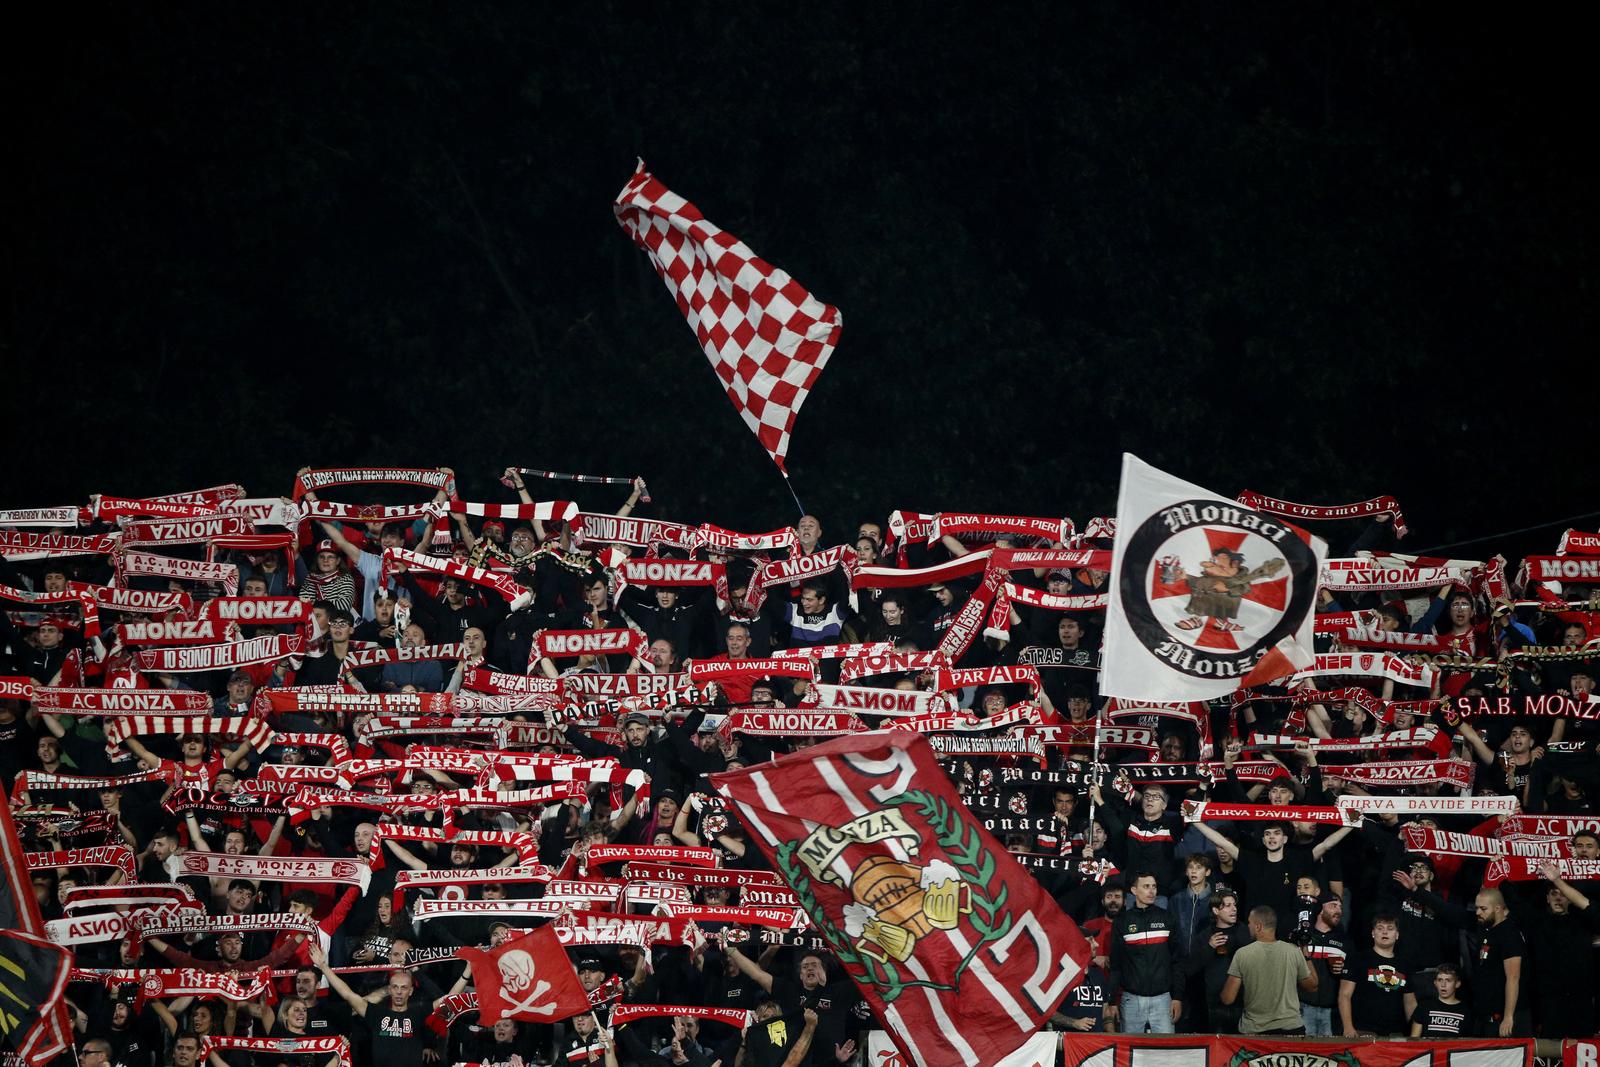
(193, 982)
(256, 732)
(46, 781)
(1367, 665)
(1394, 774)
(945, 679)
(307, 869)
(1427, 737)
(564, 644)
(525, 844)
(542, 511)
(1038, 598)
(799, 568)
(361, 658)
(177, 632)
(134, 895)
(681, 855)
(111, 507)
(908, 577)
(144, 601)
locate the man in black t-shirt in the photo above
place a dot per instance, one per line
(1269, 876)
(839, 1007)
(1375, 995)
(398, 1028)
(1497, 1008)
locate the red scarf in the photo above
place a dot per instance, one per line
(890, 663)
(543, 511)
(18, 544)
(795, 723)
(226, 656)
(495, 580)
(176, 632)
(276, 1047)
(565, 644)
(799, 568)
(982, 528)
(118, 856)
(65, 701)
(1217, 811)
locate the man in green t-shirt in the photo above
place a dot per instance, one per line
(1269, 972)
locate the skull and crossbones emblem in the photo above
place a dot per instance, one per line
(516, 976)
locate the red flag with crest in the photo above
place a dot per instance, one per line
(959, 951)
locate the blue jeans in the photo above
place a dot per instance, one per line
(1319, 1021)
(1139, 1012)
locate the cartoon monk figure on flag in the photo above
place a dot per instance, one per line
(1216, 592)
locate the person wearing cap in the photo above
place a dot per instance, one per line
(1326, 950)
(327, 579)
(240, 690)
(43, 659)
(641, 749)
(592, 973)
(367, 564)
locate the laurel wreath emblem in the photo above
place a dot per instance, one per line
(963, 845)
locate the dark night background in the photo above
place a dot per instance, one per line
(1323, 251)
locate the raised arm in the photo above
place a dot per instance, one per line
(1216, 838)
(801, 1051)
(1484, 753)
(352, 551)
(750, 968)
(1320, 849)
(319, 960)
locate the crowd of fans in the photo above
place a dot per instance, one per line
(1198, 926)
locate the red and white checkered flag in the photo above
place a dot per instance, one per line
(766, 336)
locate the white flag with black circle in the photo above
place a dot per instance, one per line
(1207, 595)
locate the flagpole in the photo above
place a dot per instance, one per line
(787, 484)
(1094, 769)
